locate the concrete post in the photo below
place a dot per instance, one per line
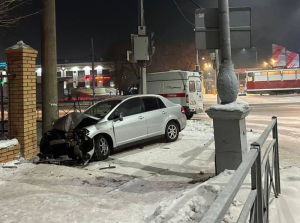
(230, 134)
(49, 66)
(21, 60)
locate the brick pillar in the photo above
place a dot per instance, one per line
(21, 60)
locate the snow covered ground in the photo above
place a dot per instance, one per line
(259, 99)
(162, 182)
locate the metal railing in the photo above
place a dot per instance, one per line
(256, 207)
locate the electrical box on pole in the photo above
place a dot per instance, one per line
(142, 48)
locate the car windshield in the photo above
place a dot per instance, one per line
(101, 109)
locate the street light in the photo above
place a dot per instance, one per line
(267, 63)
(63, 70)
(273, 61)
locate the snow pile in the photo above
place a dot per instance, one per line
(191, 205)
(8, 143)
(241, 106)
(198, 129)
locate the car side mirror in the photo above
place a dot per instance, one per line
(121, 116)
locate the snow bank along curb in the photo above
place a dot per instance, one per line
(8, 150)
(192, 204)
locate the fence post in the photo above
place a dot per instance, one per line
(254, 187)
(266, 190)
(276, 168)
(259, 190)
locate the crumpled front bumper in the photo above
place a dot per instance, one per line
(77, 146)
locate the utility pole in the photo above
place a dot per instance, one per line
(49, 66)
(227, 84)
(93, 66)
(224, 30)
(142, 64)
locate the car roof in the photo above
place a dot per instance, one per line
(121, 98)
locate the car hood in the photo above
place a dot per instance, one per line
(73, 120)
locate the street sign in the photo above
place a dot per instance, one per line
(207, 28)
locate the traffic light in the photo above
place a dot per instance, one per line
(151, 43)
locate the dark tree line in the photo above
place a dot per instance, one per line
(168, 56)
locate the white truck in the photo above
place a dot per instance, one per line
(180, 87)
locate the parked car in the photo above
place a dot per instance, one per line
(112, 124)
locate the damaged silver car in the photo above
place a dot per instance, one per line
(111, 124)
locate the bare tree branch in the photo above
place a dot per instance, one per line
(7, 12)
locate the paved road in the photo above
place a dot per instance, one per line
(286, 109)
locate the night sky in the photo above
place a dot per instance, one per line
(108, 22)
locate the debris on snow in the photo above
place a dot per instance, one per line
(109, 167)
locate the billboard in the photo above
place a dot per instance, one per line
(292, 59)
(278, 56)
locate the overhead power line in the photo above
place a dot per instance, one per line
(196, 4)
(183, 14)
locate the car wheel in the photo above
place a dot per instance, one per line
(172, 132)
(102, 148)
(189, 116)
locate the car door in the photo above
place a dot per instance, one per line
(133, 127)
(199, 95)
(193, 98)
(156, 115)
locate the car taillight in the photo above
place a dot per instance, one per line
(187, 99)
(182, 110)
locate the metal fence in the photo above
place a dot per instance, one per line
(65, 108)
(256, 207)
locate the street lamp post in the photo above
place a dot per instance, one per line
(256, 58)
